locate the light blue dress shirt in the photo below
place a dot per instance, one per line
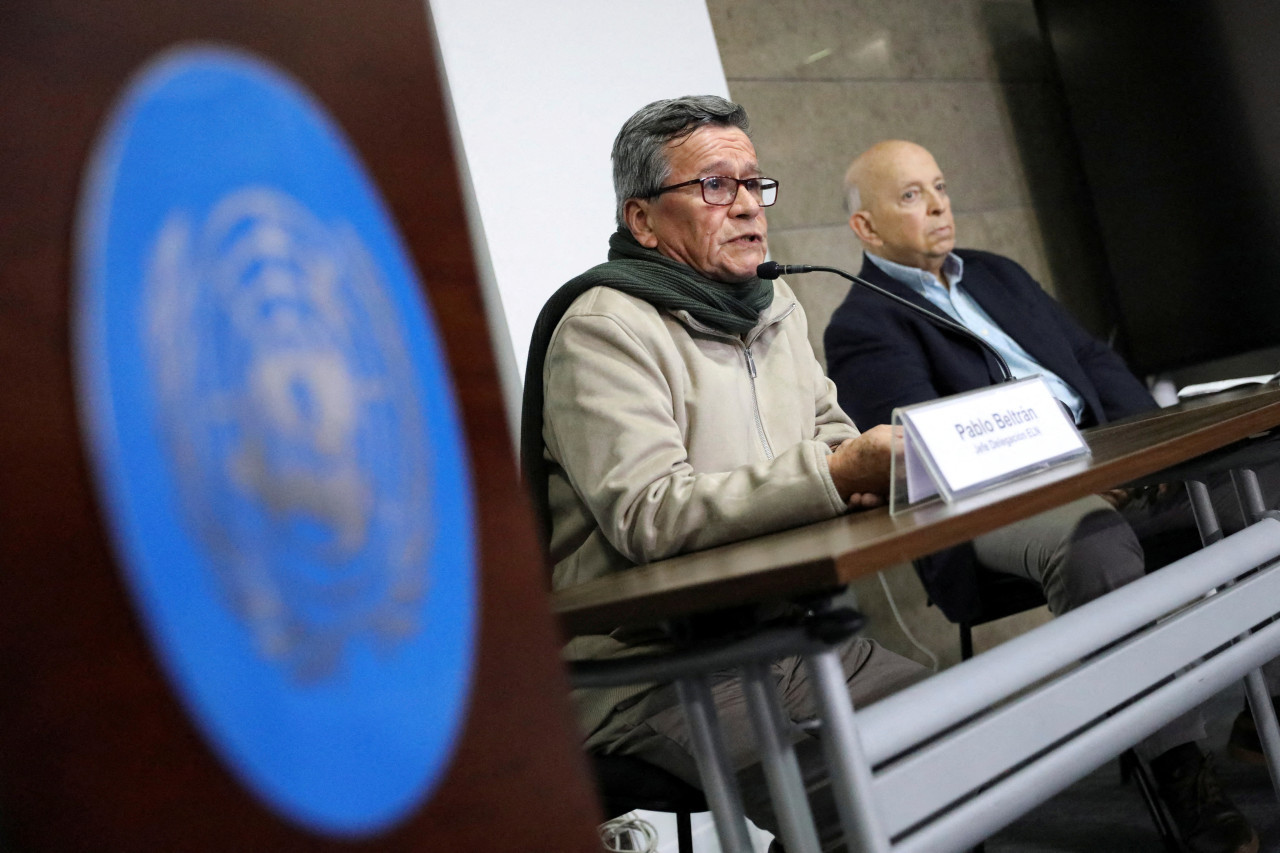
(957, 304)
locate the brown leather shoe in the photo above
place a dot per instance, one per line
(1244, 743)
(1207, 821)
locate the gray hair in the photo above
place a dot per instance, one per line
(852, 192)
(852, 198)
(640, 164)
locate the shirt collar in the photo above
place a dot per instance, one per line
(917, 279)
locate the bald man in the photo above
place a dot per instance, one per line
(882, 356)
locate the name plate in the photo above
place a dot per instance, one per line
(961, 444)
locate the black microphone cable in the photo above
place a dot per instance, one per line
(771, 269)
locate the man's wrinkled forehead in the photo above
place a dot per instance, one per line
(897, 167)
(729, 168)
(702, 152)
(911, 164)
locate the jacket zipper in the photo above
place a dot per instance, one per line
(751, 371)
(751, 365)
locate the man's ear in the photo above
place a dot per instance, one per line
(635, 212)
(865, 228)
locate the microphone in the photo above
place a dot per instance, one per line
(770, 270)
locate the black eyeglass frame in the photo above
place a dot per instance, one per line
(765, 185)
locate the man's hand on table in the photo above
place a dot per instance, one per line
(860, 467)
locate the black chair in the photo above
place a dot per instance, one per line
(999, 595)
(626, 784)
(1002, 595)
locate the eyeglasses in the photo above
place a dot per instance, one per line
(722, 190)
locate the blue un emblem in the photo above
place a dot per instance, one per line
(289, 409)
(278, 447)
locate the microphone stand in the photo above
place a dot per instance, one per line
(771, 270)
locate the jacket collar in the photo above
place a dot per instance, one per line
(1008, 314)
(916, 278)
(781, 308)
(1011, 316)
(872, 273)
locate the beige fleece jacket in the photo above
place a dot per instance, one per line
(665, 436)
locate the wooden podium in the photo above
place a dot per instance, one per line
(96, 752)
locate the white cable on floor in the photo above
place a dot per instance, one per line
(614, 832)
(893, 605)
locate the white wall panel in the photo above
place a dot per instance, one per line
(539, 91)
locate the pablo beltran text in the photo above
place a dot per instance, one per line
(994, 431)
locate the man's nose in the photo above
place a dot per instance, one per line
(744, 203)
(937, 202)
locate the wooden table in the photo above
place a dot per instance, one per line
(832, 553)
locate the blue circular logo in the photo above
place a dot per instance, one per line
(276, 439)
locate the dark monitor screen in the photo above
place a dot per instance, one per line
(1176, 112)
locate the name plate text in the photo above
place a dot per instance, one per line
(960, 444)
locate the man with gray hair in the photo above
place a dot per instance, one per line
(673, 403)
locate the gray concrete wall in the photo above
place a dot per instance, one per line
(969, 79)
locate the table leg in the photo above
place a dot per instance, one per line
(1264, 717)
(1249, 493)
(850, 774)
(1252, 506)
(1202, 510)
(714, 767)
(781, 770)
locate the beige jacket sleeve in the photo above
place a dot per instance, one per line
(833, 425)
(618, 427)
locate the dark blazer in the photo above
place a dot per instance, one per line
(882, 355)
